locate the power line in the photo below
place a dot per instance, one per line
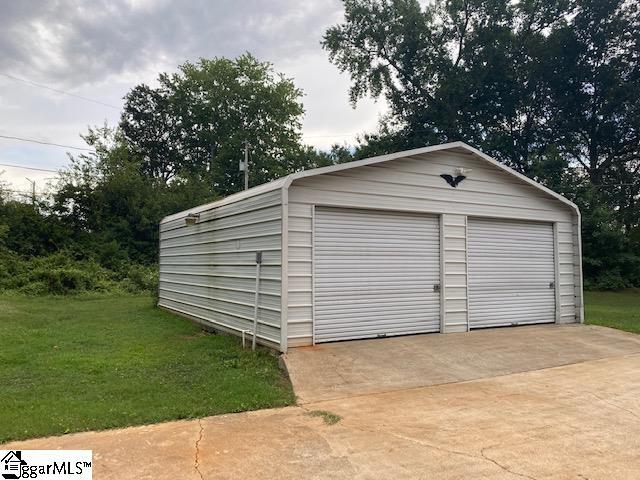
(46, 143)
(28, 168)
(35, 84)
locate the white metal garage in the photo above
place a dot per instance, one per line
(384, 246)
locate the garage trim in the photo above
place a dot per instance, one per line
(556, 267)
(443, 306)
(313, 275)
(466, 264)
(284, 274)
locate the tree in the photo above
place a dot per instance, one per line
(595, 111)
(546, 86)
(26, 229)
(113, 207)
(194, 124)
(461, 69)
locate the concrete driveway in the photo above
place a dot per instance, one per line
(575, 421)
(345, 369)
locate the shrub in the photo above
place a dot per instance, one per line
(64, 280)
(34, 288)
(611, 280)
(141, 278)
(62, 274)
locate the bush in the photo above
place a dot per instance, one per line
(34, 288)
(612, 280)
(141, 278)
(62, 274)
(65, 280)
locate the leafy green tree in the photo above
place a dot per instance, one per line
(27, 230)
(546, 86)
(113, 207)
(594, 107)
(460, 69)
(194, 124)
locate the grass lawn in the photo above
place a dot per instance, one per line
(84, 363)
(69, 364)
(614, 309)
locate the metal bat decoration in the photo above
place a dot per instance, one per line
(453, 181)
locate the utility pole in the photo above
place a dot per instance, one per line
(33, 190)
(244, 166)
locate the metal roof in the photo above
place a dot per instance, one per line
(284, 182)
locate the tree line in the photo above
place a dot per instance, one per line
(548, 87)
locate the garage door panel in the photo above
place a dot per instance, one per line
(524, 302)
(508, 311)
(366, 293)
(373, 307)
(391, 254)
(374, 273)
(511, 267)
(384, 265)
(374, 319)
(356, 302)
(377, 326)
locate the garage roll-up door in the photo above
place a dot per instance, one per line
(511, 273)
(374, 274)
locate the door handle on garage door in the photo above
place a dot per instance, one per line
(436, 287)
(552, 284)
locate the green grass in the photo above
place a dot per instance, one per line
(70, 364)
(619, 310)
(328, 417)
(79, 363)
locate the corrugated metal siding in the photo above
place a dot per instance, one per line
(455, 273)
(374, 274)
(511, 267)
(577, 270)
(300, 309)
(568, 272)
(207, 270)
(414, 184)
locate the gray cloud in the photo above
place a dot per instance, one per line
(71, 42)
(102, 48)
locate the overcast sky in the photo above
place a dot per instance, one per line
(102, 48)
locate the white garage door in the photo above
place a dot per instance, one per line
(511, 273)
(374, 274)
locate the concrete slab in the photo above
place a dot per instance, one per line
(335, 370)
(571, 422)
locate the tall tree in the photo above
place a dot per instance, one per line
(547, 86)
(460, 69)
(595, 77)
(195, 122)
(111, 207)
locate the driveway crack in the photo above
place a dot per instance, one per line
(482, 455)
(196, 464)
(614, 405)
(503, 467)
